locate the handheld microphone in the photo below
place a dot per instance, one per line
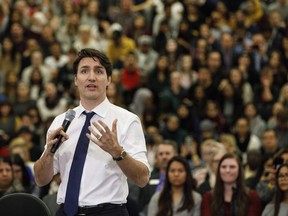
(69, 116)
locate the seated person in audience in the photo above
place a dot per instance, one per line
(21, 174)
(245, 140)
(178, 196)
(229, 142)
(230, 196)
(252, 167)
(205, 176)
(266, 186)
(210, 180)
(280, 204)
(269, 143)
(164, 152)
(7, 183)
(51, 198)
(19, 146)
(189, 150)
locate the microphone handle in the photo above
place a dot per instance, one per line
(59, 137)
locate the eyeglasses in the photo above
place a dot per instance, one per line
(282, 176)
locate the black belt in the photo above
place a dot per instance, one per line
(83, 210)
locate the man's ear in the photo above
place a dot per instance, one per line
(109, 81)
(75, 80)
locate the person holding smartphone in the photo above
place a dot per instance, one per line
(280, 205)
(266, 186)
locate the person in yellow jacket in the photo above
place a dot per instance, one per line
(119, 46)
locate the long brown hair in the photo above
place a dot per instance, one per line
(165, 200)
(279, 196)
(242, 198)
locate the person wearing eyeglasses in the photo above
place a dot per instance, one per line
(279, 207)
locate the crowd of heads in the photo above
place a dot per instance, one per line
(209, 77)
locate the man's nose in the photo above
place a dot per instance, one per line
(91, 75)
(5, 172)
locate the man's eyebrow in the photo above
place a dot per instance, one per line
(94, 67)
(101, 67)
(84, 66)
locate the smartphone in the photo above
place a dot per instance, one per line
(277, 162)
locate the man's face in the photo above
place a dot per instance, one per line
(214, 60)
(91, 80)
(37, 59)
(173, 123)
(242, 126)
(164, 154)
(269, 140)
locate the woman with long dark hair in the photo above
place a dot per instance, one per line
(21, 173)
(10, 59)
(230, 196)
(8, 184)
(178, 196)
(280, 205)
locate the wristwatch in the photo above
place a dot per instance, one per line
(123, 154)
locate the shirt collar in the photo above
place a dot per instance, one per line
(101, 110)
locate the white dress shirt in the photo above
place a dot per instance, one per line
(102, 180)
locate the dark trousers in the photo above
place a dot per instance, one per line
(105, 210)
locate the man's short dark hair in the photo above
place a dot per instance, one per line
(169, 143)
(94, 54)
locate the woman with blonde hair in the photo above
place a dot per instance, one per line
(229, 142)
(283, 96)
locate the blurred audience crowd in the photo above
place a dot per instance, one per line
(208, 79)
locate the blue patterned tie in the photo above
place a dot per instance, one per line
(73, 187)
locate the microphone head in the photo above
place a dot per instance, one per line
(70, 115)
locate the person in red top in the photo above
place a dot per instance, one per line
(130, 78)
(230, 197)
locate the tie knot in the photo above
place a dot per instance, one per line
(88, 115)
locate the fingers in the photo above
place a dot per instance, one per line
(99, 136)
(114, 126)
(92, 138)
(102, 136)
(103, 126)
(101, 129)
(102, 132)
(55, 135)
(94, 135)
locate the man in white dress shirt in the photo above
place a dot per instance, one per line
(116, 149)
